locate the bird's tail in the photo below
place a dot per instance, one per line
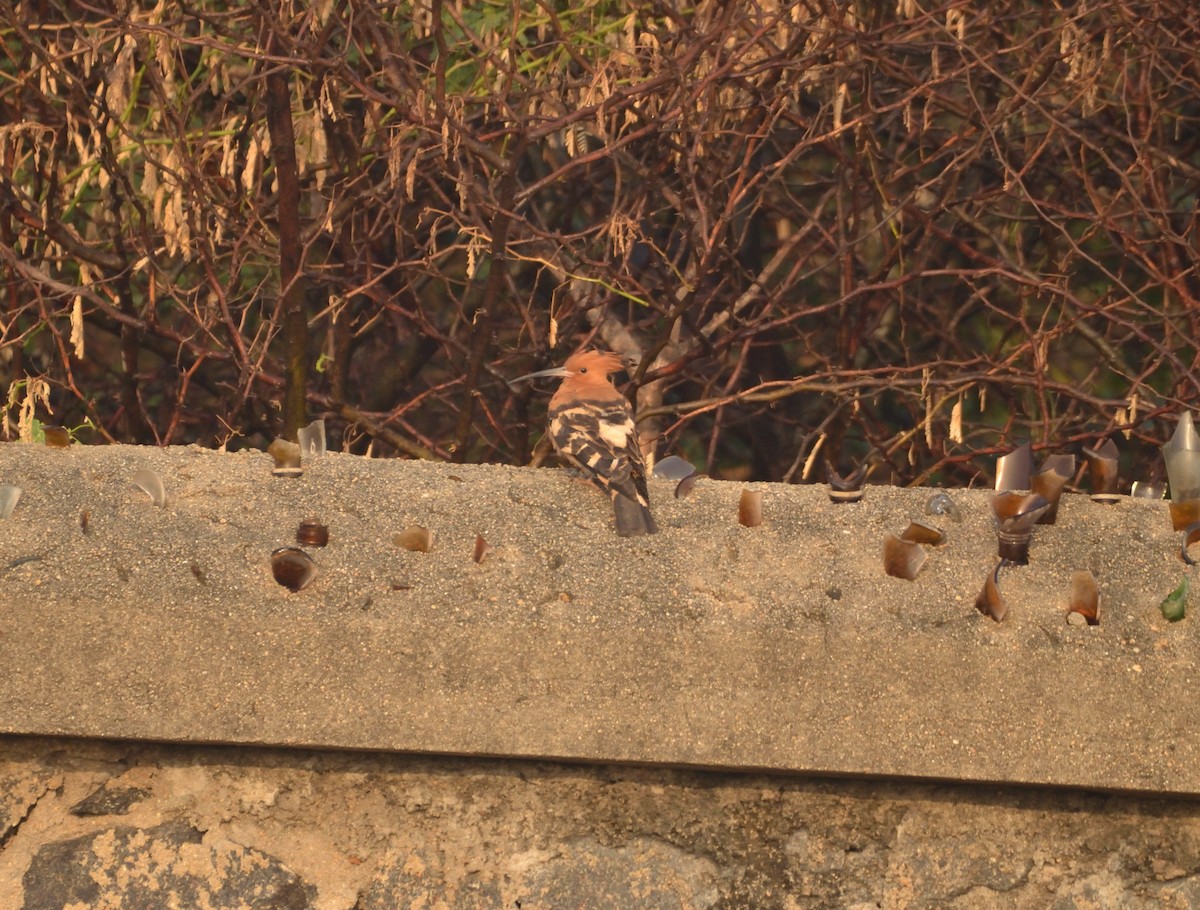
(632, 517)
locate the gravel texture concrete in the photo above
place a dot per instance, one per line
(783, 647)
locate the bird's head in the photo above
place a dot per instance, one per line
(593, 366)
(599, 364)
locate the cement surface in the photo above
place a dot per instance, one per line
(783, 647)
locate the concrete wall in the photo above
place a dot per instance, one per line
(782, 656)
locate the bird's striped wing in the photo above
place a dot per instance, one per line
(599, 439)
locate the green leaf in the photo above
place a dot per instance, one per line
(1175, 603)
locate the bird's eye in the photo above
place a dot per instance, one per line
(583, 369)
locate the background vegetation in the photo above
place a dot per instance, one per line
(931, 227)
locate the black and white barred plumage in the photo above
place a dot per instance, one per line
(599, 439)
(592, 429)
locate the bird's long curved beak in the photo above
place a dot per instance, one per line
(553, 371)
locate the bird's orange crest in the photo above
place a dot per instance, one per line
(595, 363)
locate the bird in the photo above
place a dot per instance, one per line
(591, 427)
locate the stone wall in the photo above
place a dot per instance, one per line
(119, 826)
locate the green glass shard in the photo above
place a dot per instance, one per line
(1175, 604)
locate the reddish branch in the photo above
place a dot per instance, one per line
(807, 226)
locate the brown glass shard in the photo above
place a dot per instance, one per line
(414, 538)
(1085, 597)
(1061, 463)
(848, 488)
(1049, 485)
(9, 497)
(150, 483)
(1191, 534)
(990, 602)
(1183, 513)
(312, 533)
(750, 514)
(684, 487)
(1013, 469)
(902, 558)
(1016, 514)
(1048, 482)
(287, 458)
(198, 573)
(293, 568)
(921, 532)
(482, 548)
(56, 437)
(1102, 471)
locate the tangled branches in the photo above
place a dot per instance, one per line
(815, 228)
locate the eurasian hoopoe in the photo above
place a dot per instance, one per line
(591, 427)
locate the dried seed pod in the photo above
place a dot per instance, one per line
(1102, 470)
(311, 439)
(56, 437)
(673, 468)
(1049, 482)
(312, 533)
(414, 538)
(849, 488)
(152, 485)
(940, 503)
(1013, 469)
(1016, 514)
(9, 497)
(990, 602)
(293, 568)
(750, 509)
(1085, 597)
(482, 548)
(85, 520)
(287, 458)
(921, 532)
(902, 558)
